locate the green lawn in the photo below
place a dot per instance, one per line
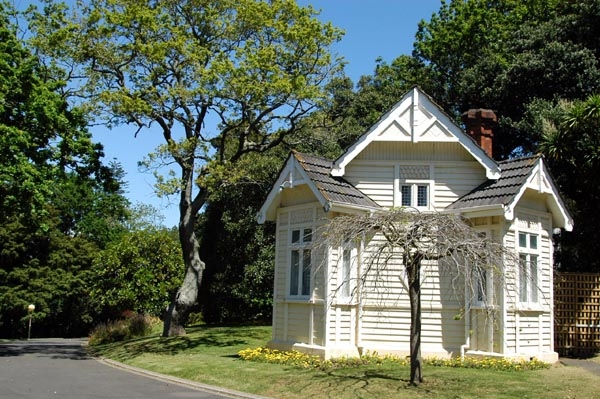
(209, 355)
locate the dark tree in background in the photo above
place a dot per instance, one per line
(58, 203)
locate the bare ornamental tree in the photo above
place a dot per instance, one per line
(411, 239)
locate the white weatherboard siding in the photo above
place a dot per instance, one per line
(452, 181)
(378, 171)
(385, 316)
(298, 320)
(528, 327)
(375, 179)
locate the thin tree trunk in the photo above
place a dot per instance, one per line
(414, 291)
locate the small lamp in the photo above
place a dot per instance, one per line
(30, 309)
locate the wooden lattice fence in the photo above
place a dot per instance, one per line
(577, 314)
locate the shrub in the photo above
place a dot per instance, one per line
(132, 325)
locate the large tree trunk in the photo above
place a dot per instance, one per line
(187, 295)
(413, 266)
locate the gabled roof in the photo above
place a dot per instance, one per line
(334, 190)
(517, 175)
(331, 192)
(416, 118)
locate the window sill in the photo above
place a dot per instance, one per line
(303, 300)
(530, 307)
(346, 302)
(482, 306)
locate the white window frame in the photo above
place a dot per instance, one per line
(299, 282)
(483, 290)
(528, 273)
(347, 270)
(414, 193)
(420, 176)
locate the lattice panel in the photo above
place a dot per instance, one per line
(577, 313)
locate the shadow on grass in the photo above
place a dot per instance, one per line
(358, 382)
(208, 337)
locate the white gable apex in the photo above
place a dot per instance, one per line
(290, 176)
(416, 118)
(540, 181)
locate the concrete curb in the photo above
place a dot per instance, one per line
(179, 381)
(175, 380)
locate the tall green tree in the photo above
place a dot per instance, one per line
(54, 196)
(218, 80)
(571, 143)
(504, 54)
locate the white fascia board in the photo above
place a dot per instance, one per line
(348, 208)
(272, 199)
(339, 165)
(286, 181)
(418, 99)
(554, 201)
(477, 211)
(492, 169)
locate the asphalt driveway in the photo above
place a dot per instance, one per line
(57, 368)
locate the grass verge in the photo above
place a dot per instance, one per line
(209, 355)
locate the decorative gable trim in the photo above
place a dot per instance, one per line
(539, 180)
(290, 176)
(416, 118)
(332, 193)
(500, 197)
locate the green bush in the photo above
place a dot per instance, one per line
(132, 325)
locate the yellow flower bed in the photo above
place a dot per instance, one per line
(306, 361)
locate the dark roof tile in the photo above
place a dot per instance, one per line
(334, 189)
(513, 174)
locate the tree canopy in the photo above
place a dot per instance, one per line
(505, 54)
(58, 202)
(218, 80)
(519, 58)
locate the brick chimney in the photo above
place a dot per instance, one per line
(479, 124)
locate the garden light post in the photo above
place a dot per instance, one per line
(30, 309)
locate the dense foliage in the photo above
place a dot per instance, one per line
(137, 273)
(218, 79)
(239, 253)
(58, 203)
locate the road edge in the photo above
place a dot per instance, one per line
(176, 380)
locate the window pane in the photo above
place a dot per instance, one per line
(422, 195)
(533, 278)
(307, 235)
(523, 240)
(533, 241)
(481, 285)
(406, 200)
(295, 236)
(306, 272)
(523, 278)
(346, 272)
(294, 271)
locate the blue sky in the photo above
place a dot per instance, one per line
(374, 28)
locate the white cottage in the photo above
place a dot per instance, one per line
(416, 156)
